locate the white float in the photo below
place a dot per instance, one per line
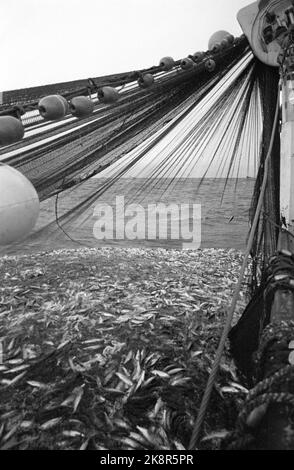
(167, 63)
(198, 56)
(210, 65)
(19, 205)
(107, 95)
(81, 106)
(220, 40)
(187, 64)
(53, 107)
(146, 80)
(11, 130)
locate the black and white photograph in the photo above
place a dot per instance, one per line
(146, 228)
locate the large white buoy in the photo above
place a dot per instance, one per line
(167, 63)
(107, 95)
(19, 205)
(53, 107)
(81, 106)
(11, 130)
(220, 40)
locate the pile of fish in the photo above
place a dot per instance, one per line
(111, 348)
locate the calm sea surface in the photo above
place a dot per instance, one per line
(223, 224)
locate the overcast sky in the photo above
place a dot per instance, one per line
(48, 41)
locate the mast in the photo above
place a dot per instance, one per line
(287, 141)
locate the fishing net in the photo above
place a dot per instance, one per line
(216, 123)
(246, 334)
(194, 120)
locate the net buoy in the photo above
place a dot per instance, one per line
(220, 40)
(210, 65)
(19, 205)
(230, 38)
(187, 64)
(217, 47)
(167, 63)
(225, 43)
(198, 56)
(81, 106)
(11, 130)
(107, 95)
(146, 80)
(53, 107)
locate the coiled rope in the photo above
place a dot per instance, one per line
(267, 391)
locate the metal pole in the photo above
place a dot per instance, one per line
(269, 27)
(283, 306)
(277, 432)
(287, 152)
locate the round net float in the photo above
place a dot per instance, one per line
(198, 56)
(225, 43)
(220, 40)
(217, 47)
(11, 130)
(167, 63)
(81, 106)
(291, 358)
(230, 38)
(107, 95)
(19, 205)
(53, 107)
(210, 65)
(187, 64)
(146, 80)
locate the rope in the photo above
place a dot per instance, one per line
(267, 391)
(279, 227)
(60, 226)
(220, 350)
